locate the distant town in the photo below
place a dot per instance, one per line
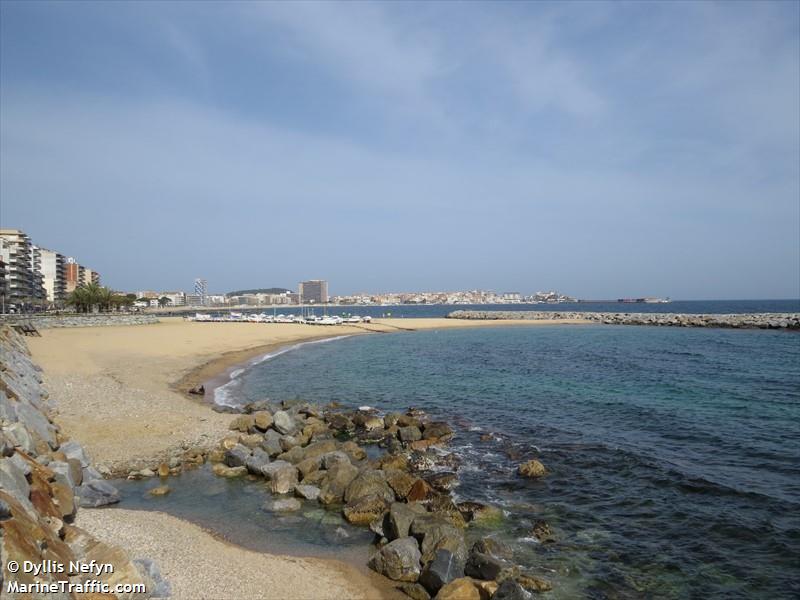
(37, 279)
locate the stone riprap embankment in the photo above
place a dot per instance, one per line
(44, 479)
(98, 320)
(731, 321)
(313, 455)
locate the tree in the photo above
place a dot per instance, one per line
(164, 301)
(86, 298)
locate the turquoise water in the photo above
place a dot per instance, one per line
(675, 454)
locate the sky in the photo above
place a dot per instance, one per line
(602, 150)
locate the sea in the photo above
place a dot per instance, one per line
(674, 454)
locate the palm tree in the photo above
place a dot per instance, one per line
(88, 296)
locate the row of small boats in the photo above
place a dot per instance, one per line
(235, 317)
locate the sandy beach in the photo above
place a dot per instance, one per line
(200, 566)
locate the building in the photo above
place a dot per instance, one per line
(23, 280)
(89, 276)
(73, 275)
(53, 270)
(201, 290)
(175, 298)
(314, 291)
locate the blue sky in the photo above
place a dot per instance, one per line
(603, 150)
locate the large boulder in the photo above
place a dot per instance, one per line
(444, 568)
(399, 481)
(443, 481)
(511, 590)
(256, 461)
(262, 420)
(283, 422)
(96, 493)
(369, 483)
(532, 469)
(283, 479)
(307, 492)
(434, 533)
(364, 509)
(317, 449)
(272, 443)
(398, 560)
(437, 431)
(400, 517)
(409, 434)
(484, 566)
(330, 459)
(237, 456)
(281, 505)
(336, 481)
(459, 589)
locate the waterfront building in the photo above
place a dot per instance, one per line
(53, 270)
(89, 276)
(73, 275)
(23, 281)
(314, 291)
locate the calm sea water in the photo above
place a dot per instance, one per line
(675, 453)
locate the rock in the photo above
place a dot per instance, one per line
(308, 466)
(223, 470)
(373, 422)
(400, 481)
(444, 568)
(251, 440)
(480, 513)
(236, 456)
(256, 461)
(484, 566)
(283, 422)
(198, 390)
(272, 443)
(420, 491)
(282, 505)
(320, 448)
(97, 493)
(161, 490)
(353, 450)
(364, 509)
(443, 481)
(532, 469)
(511, 590)
(288, 442)
(492, 547)
(163, 469)
(459, 589)
(330, 459)
(439, 431)
(270, 469)
(5, 510)
(243, 423)
(149, 569)
(293, 455)
(76, 451)
(369, 483)
(340, 422)
(542, 532)
(336, 481)
(400, 517)
(309, 492)
(435, 533)
(398, 560)
(262, 420)
(533, 583)
(409, 434)
(415, 591)
(486, 588)
(283, 479)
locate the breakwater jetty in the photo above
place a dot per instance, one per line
(731, 321)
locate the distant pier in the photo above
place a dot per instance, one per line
(730, 321)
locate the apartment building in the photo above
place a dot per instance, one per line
(314, 291)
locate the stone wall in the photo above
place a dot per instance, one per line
(93, 320)
(735, 321)
(44, 479)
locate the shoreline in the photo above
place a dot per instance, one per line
(121, 392)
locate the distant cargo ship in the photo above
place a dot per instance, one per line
(644, 300)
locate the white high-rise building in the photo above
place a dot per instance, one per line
(53, 269)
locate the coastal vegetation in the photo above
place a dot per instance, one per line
(92, 297)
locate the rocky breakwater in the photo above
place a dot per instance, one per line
(95, 320)
(390, 473)
(44, 479)
(730, 321)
